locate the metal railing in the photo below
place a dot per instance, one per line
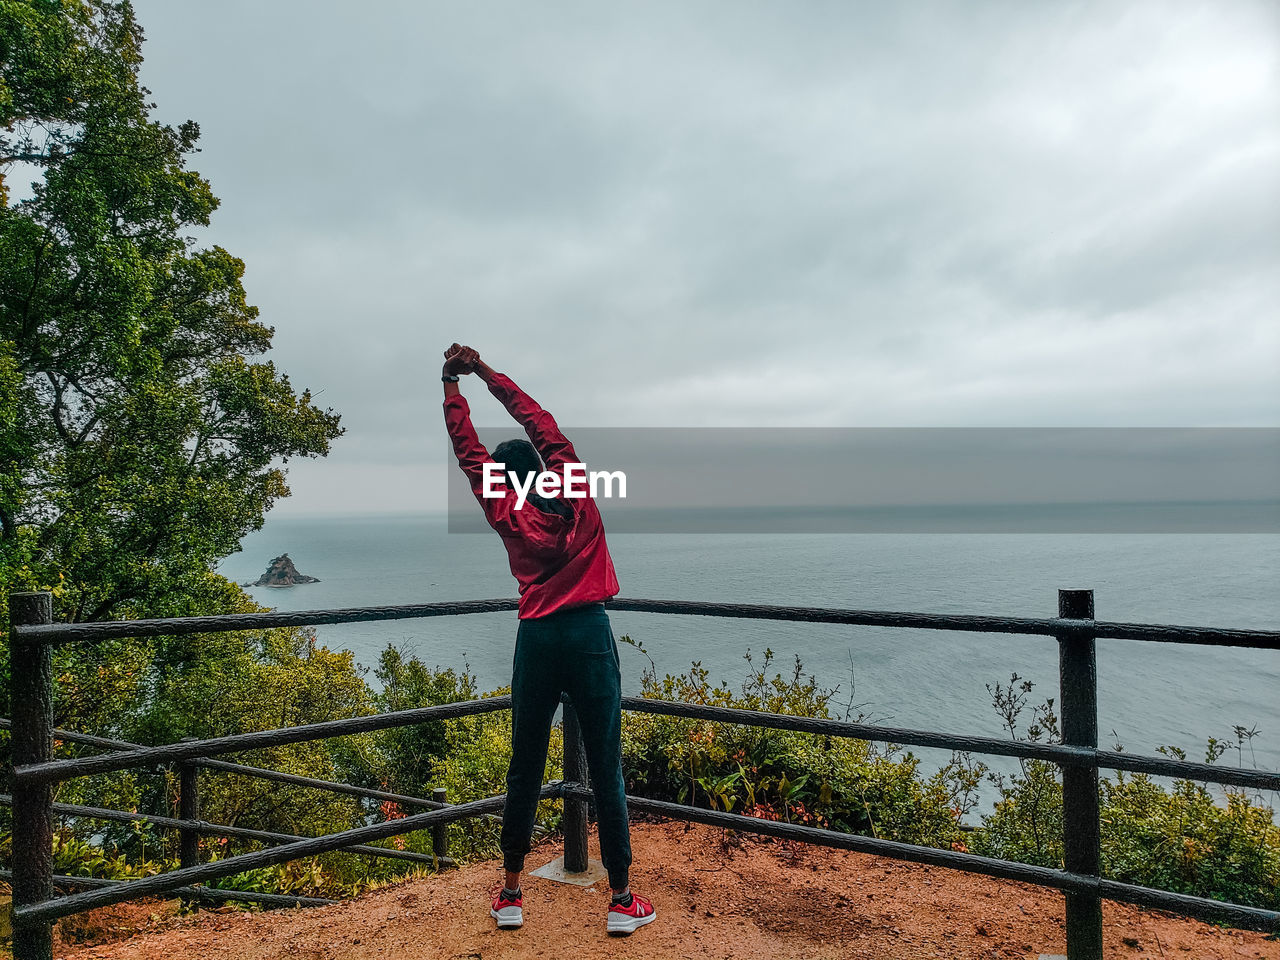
(190, 827)
(1078, 756)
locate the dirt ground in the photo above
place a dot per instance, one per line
(750, 898)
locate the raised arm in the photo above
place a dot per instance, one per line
(552, 445)
(471, 453)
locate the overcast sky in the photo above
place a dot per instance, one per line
(741, 214)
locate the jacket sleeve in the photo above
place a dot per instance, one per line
(552, 445)
(472, 456)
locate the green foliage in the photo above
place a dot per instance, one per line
(333, 875)
(408, 756)
(1188, 838)
(824, 781)
(1026, 824)
(141, 442)
(467, 756)
(140, 436)
(473, 765)
(63, 60)
(73, 857)
(259, 681)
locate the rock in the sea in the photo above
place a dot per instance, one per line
(282, 573)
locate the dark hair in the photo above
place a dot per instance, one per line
(520, 458)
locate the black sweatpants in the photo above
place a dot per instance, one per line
(572, 651)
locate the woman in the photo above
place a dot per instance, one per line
(558, 555)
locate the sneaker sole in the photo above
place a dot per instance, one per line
(631, 924)
(507, 923)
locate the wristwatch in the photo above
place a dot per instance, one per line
(450, 378)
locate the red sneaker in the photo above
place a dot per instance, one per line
(508, 913)
(628, 919)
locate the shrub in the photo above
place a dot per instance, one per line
(835, 782)
(1190, 838)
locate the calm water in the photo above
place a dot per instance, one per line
(1149, 694)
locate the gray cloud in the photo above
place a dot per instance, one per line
(743, 214)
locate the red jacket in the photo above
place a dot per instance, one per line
(559, 562)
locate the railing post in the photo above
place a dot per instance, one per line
(31, 695)
(440, 832)
(188, 809)
(1081, 844)
(575, 811)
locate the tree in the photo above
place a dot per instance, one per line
(140, 439)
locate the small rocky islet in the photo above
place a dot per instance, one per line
(281, 573)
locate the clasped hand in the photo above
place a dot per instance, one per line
(460, 360)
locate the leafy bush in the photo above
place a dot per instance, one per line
(406, 757)
(475, 766)
(833, 782)
(1026, 823)
(1191, 838)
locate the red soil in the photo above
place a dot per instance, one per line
(744, 898)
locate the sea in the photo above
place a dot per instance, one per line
(1150, 694)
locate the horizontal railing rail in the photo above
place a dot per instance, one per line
(50, 910)
(198, 750)
(1213, 911)
(329, 786)
(57, 770)
(57, 633)
(96, 631)
(245, 770)
(1078, 756)
(257, 773)
(1058, 753)
(205, 828)
(215, 894)
(964, 623)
